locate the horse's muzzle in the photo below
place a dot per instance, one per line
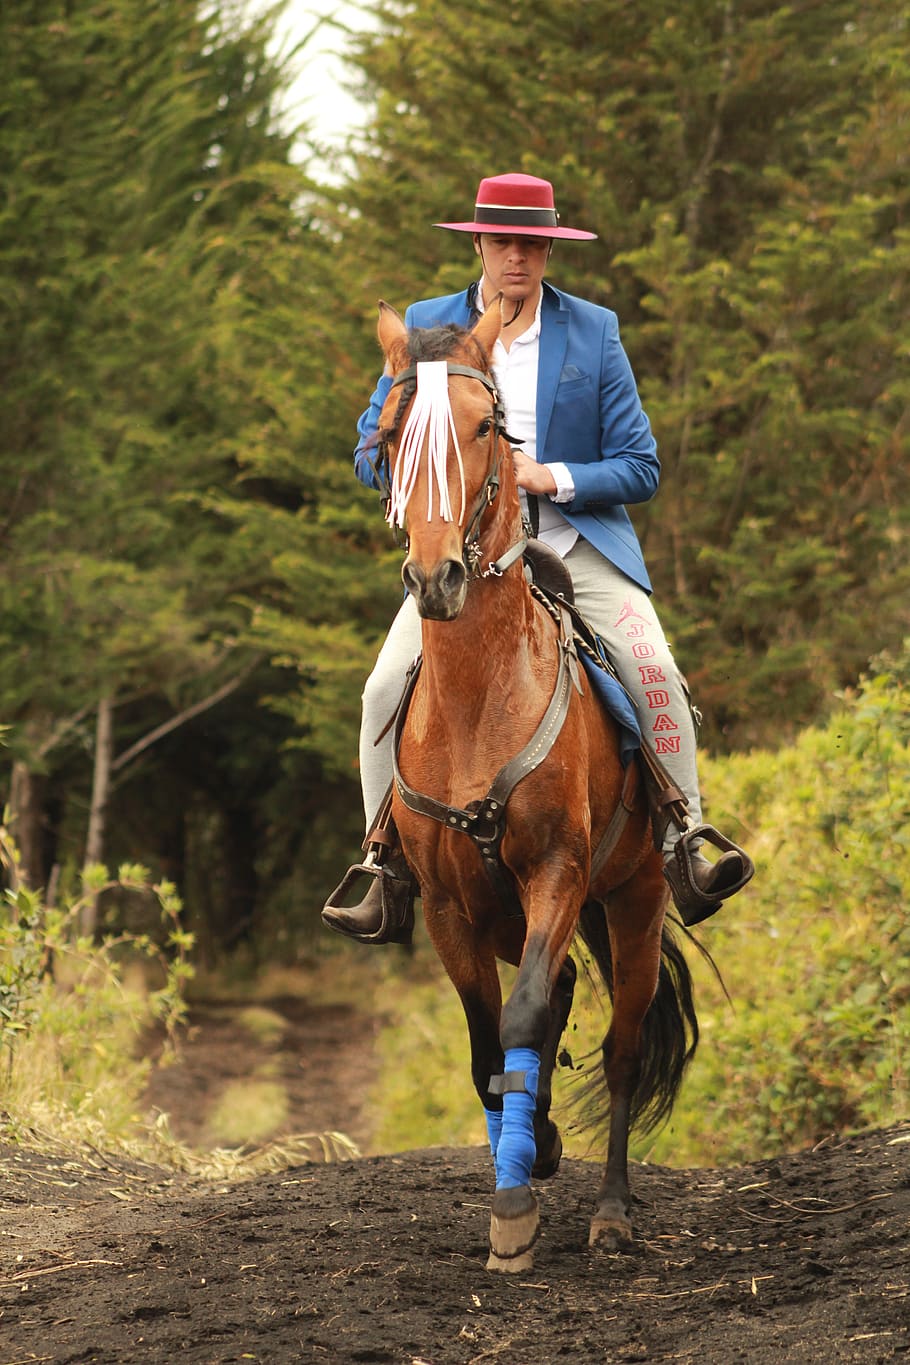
(439, 595)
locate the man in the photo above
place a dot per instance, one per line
(586, 450)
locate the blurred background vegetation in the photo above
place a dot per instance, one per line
(193, 586)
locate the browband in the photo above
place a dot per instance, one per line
(411, 373)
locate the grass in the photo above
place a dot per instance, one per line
(76, 1015)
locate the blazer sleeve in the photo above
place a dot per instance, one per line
(367, 427)
(622, 467)
(436, 312)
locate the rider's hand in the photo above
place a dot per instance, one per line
(531, 476)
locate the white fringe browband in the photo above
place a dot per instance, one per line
(430, 420)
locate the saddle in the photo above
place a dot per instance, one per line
(548, 571)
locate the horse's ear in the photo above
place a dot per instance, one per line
(391, 329)
(487, 330)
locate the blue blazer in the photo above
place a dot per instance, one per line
(589, 416)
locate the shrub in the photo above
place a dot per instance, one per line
(72, 1008)
(816, 952)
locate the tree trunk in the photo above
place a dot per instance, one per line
(101, 783)
(25, 825)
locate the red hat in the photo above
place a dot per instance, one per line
(520, 205)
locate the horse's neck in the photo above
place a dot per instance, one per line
(493, 646)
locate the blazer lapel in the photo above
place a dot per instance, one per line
(554, 338)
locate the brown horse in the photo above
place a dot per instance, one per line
(514, 811)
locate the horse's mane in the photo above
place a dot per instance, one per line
(429, 343)
(438, 343)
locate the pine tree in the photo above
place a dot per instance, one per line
(168, 432)
(744, 166)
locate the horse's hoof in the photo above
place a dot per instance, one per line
(514, 1228)
(611, 1228)
(547, 1163)
(510, 1265)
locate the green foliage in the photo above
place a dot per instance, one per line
(755, 249)
(126, 147)
(815, 955)
(177, 414)
(25, 963)
(72, 1009)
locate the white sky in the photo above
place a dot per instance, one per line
(318, 96)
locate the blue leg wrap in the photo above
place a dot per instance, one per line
(494, 1126)
(516, 1150)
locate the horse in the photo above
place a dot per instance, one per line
(515, 813)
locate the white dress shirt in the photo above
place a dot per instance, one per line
(515, 371)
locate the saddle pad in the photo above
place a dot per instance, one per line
(618, 704)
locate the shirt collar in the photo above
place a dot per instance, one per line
(533, 330)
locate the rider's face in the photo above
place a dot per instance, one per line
(514, 265)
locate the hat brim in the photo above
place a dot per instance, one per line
(515, 230)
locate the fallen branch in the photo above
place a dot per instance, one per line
(841, 1208)
(53, 1270)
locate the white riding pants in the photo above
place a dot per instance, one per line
(622, 614)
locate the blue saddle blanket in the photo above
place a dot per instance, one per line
(618, 704)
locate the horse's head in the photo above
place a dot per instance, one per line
(442, 428)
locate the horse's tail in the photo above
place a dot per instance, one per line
(669, 1034)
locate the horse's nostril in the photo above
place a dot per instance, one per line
(412, 577)
(450, 577)
(439, 592)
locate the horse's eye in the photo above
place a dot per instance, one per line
(485, 428)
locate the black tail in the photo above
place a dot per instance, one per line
(669, 1032)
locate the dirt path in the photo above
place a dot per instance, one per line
(801, 1259)
(260, 1072)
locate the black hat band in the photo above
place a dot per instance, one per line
(524, 217)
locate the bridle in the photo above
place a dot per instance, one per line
(489, 490)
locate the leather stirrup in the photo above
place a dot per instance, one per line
(386, 913)
(694, 904)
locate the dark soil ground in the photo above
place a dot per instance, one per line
(804, 1258)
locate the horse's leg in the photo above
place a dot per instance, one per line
(635, 919)
(471, 967)
(547, 1141)
(514, 1219)
(528, 1042)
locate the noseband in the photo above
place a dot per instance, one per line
(489, 490)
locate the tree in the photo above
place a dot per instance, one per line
(791, 485)
(189, 337)
(165, 293)
(744, 164)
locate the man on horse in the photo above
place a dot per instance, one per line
(586, 450)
